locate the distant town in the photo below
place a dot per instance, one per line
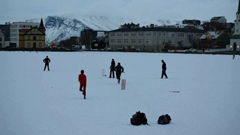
(191, 36)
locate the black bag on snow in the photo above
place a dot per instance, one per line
(138, 119)
(164, 119)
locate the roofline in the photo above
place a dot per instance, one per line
(166, 29)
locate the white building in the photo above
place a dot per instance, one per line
(151, 38)
(14, 31)
(219, 19)
(2, 38)
(235, 39)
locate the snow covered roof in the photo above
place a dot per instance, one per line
(211, 35)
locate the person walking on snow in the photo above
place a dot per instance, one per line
(46, 61)
(119, 69)
(112, 67)
(83, 82)
(164, 68)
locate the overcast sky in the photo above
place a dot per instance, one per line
(20, 10)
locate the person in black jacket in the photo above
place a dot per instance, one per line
(164, 68)
(119, 69)
(112, 67)
(46, 61)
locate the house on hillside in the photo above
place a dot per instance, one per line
(219, 19)
(218, 24)
(33, 38)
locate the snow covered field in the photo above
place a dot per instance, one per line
(37, 102)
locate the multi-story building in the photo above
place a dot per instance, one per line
(152, 38)
(14, 31)
(2, 39)
(89, 38)
(33, 38)
(5, 29)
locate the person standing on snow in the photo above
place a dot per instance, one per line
(164, 68)
(83, 82)
(46, 61)
(112, 67)
(119, 69)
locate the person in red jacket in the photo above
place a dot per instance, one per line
(83, 82)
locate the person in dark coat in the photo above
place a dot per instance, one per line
(164, 68)
(46, 61)
(119, 69)
(112, 67)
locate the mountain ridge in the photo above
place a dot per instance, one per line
(61, 27)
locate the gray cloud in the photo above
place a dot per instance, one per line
(12, 10)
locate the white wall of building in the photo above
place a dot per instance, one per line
(14, 30)
(237, 25)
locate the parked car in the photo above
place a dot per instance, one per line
(191, 50)
(108, 49)
(120, 49)
(138, 50)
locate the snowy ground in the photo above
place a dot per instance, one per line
(34, 102)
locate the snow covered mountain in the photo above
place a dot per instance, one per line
(61, 27)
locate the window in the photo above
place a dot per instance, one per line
(119, 34)
(0, 39)
(29, 38)
(171, 34)
(40, 44)
(28, 44)
(125, 40)
(155, 41)
(112, 40)
(125, 34)
(133, 34)
(148, 34)
(140, 34)
(159, 34)
(148, 41)
(190, 35)
(155, 33)
(112, 34)
(140, 41)
(119, 41)
(133, 40)
(34, 38)
(180, 34)
(40, 37)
